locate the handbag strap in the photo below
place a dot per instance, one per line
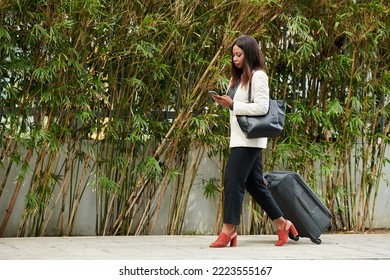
(250, 90)
(250, 93)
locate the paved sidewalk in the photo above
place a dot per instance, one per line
(195, 247)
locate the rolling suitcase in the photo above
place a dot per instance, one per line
(299, 204)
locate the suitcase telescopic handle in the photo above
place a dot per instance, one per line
(304, 204)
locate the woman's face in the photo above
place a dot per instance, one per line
(238, 57)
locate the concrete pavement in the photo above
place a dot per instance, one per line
(195, 247)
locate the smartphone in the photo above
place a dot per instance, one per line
(214, 93)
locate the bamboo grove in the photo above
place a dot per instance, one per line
(113, 96)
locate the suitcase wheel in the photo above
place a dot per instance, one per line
(317, 241)
(295, 238)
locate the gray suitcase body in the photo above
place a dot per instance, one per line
(299, 204)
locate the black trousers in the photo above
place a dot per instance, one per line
(244, 172)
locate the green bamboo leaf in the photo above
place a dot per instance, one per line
(39, 31)
(5, 37)
(151, 168)
(42, 75)
(210, 188)
(32, 202)
(295, 118)
(356, 103)
(107, 185)
(23, 172)
(335, 108)
(305, 51)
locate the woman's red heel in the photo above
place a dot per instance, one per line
(293, 230)
(224, 239)
(288, 227)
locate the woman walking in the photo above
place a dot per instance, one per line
(243, 169)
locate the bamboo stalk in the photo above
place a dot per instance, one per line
(14, 195)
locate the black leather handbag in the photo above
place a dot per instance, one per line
(268, 125)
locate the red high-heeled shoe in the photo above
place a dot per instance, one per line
(224, 239)
(288, 227)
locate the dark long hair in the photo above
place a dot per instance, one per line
(254, 60)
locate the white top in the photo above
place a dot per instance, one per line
(260, 97)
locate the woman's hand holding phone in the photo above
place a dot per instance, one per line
(223, 100)
(214, 95)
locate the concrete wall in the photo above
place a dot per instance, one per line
(382, 207)
(200, 216)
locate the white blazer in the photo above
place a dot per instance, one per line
(260, 97)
